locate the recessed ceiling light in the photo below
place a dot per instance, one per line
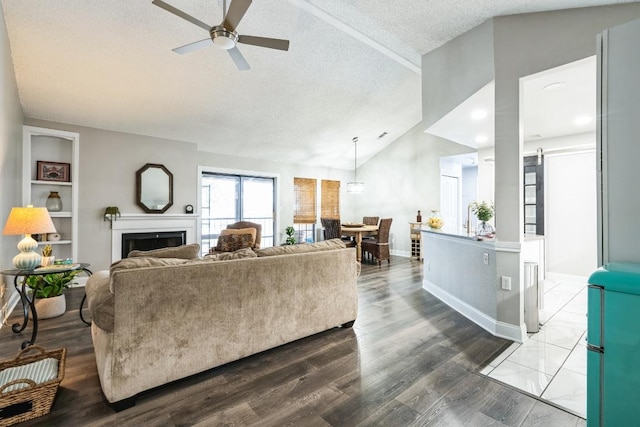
(555, 85)
(382, 135)
(481, 138)
(478, 114)
(534, 136)
(582, 120)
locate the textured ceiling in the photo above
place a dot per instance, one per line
(350, 70)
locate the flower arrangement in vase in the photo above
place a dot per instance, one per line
(484, 212)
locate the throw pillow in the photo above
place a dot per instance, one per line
(234, 242)
(183, 252)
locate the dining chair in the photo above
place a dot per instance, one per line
(379, 247)
(332, 230)
(370, 220)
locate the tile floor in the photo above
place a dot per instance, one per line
(552, 363)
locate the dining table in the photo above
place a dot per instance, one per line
(357, 231)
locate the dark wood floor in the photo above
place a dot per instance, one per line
(409, 360)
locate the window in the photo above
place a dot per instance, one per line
(231, 198)
(304, 209)
(330, 199)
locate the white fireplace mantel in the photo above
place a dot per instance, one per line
(148, 223)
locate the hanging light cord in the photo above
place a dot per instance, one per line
(355, 158)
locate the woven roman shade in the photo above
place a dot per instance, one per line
(304, 209)
(330, 199)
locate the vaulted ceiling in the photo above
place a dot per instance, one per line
(352, 69)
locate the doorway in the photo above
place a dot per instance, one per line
(228, 198)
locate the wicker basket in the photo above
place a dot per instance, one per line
(33, 401)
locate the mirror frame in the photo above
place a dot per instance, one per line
(139, 173)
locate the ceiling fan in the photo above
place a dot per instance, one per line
(225, 36)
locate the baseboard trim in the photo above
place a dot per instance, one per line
(405, 254)
(491, 325)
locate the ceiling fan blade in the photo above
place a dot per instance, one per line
(192, 46)
(238, 59)
(236, 11)
(181, 14)
(265, 42)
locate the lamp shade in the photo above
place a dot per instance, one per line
(28, 220)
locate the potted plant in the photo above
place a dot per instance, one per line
(290, 239)
(47, 256)
(48, 290)
(484, 212)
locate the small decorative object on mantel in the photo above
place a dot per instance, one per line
(111, 213)
(484, 212)
(54, 202)
(419, 217)
(435, 221)
(188, 209)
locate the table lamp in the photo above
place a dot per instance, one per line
(28, 221)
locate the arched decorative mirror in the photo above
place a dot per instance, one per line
(154, 188)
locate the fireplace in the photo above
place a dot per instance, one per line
(151, 225)
(151, 240)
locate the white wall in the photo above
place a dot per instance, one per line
(402, 179)
(10, 159)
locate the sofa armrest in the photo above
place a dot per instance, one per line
(100, 300)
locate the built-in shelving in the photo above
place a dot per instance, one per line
(51, 145)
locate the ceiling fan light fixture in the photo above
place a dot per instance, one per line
(223, 38)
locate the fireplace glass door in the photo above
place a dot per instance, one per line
(231, 198)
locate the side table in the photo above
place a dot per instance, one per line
(28, 304)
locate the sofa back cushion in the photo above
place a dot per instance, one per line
(224, 256)
(325, 245)
(183, 252)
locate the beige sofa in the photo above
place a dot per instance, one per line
(158, 320)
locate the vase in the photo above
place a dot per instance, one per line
(484, 229)
(48, 308)
(54, 202)
(47, 261)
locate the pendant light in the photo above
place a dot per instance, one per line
(355, 186)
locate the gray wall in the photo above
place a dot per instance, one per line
(459, 68)
(109, 161)
(10, 158)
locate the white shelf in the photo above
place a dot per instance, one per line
(59, 242)
(60, 214)
(40, 144)
(61, 183)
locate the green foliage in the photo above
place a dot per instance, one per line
(290, 239)
(483, 210)
(51, 285)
